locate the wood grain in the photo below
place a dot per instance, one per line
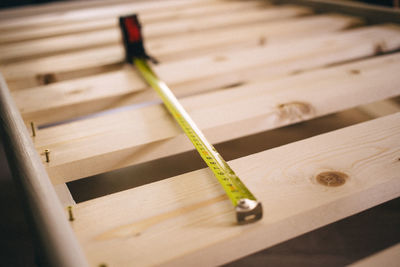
(112, 141)
(389, 257)
(156, 27)
(246, 36)
(56, 9)
(101, 37)
(83, 96)
(30, 72)
(181, 46)
(64, 195)
(135, 225)
(54, 22)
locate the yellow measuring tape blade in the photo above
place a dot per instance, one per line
(248, 209)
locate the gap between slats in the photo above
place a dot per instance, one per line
(84, 96)
(91, 146)
(54, 68)
(191, 210)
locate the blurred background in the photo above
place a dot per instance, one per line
(11, 3)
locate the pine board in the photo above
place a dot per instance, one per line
(184, 24)
(91, 146)
(112, 9)
(31, 72)
(389, 257)
(92, 94)
(167, 48)
(135, 226)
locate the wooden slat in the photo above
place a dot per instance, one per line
(57, 45)
(64, 195)
(191, 214)
(29, 11)
(55, 9)
(381, 108)
(389, 257)
(160, 28)
(31, 72)
(243, 37)
(156, 170)
(153, 9)
(232, 18)
(372, 13)
(167, 48)
(91, 146)
(82, 96)
(328, 49)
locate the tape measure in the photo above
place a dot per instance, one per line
(248, 209)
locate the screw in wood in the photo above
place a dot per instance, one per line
(47, 154)
(70, 214)
(33, 128)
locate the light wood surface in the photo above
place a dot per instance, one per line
(91, 146)
(389, 257)
(246, 36)
(83, 96)
(381, 108)
(56, 9)
(68, 65)
(35, 17)
(181, 46)
(241, 68)
(156, 170)
(135, 225)
(64, 195)
(67, 42)
(156, 28)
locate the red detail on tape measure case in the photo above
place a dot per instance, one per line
(132, 37)
(133, 31)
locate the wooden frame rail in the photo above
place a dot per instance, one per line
(58, 245)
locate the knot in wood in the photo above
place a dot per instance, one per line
(380, 48)
(332, 178)
(220, 58)
(48, 78)
(295, 110)
(355, 72)
(262, 41)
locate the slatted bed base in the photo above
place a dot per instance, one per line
(303, 99)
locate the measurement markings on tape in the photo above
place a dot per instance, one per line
(248, 209)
